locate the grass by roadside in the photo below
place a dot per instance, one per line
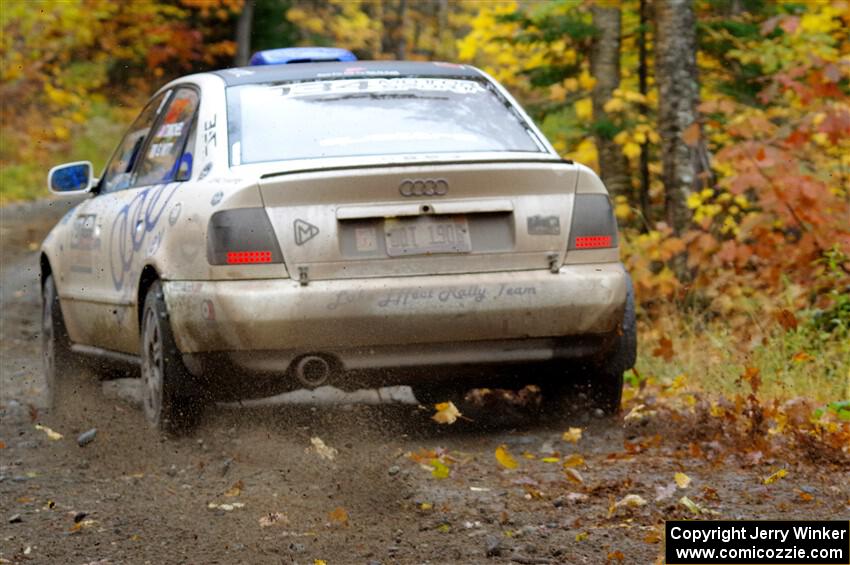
(799, 362)
(25, 179)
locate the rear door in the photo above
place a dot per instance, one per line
(418, 220)
(130, 216)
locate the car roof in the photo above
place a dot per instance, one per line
(353, 69)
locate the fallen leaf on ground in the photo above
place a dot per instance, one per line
(637, 413)
(504, 458)
(447, 413)
(618, 555)
(50, 433)
(573, 475)
(339, 516)
(319, 562)
(631, 501)
(582, 536)
(574, 460)
(694, 507)
(439, 470)
(551, 460)
(682, 480)
(775, 477)
(235, 490)
(274, 519)
(81, 525)
(324, 451)
(572, 435)
(532, 493)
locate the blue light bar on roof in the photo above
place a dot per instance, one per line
(288, 55)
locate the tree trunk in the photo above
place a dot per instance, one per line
(243, 34)
(605, 68)
(643, 73)
(394, 41)
(678, 97)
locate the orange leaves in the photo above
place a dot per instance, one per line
(446, 413)
(752, 377)
(786, 319)
(664, 349)
(339, 517)
(692, 134)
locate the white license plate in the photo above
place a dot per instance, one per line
(427, 234)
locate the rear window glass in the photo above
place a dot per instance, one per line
(372, 116)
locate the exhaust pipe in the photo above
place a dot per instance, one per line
(312, 371)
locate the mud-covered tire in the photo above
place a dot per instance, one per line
(60, 363)
(597, 383)
(170, 399)
(605, 389)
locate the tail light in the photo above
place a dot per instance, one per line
(594, 226)
(242, 236)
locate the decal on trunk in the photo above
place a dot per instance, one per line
(544, 225)
(304, 231)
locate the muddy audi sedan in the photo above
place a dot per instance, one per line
(345, 223)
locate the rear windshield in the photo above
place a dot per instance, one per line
(372, 116)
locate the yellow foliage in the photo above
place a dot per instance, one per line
(585, 153)
(631, 150)
(584, 109)
(614, 105)
(585, 80)
(504, 458)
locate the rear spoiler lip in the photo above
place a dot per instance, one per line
(554, 161)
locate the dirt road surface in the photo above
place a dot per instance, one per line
(249, 486)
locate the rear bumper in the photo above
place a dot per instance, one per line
(394, 317)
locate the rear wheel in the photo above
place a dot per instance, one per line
(598, 382)
(170, 399)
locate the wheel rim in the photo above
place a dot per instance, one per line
(153, 366)
(48, 347)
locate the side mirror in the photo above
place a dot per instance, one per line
(71, 178)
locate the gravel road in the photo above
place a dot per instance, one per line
(343, 482)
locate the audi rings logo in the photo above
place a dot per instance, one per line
(423, 187)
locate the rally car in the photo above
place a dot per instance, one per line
(341, 222)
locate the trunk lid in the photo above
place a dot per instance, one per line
(369, 221)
